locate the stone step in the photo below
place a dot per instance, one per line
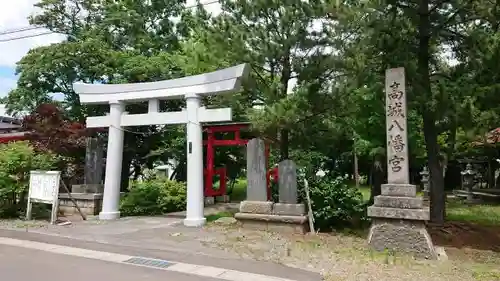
(398, 202)
(87, 188)
(399, 190)
(398, 213)
(270, 208)
(274, 218)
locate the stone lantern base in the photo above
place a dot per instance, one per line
(398, 222)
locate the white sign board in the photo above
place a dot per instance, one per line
(44, 188)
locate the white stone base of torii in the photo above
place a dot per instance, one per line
(192, 89)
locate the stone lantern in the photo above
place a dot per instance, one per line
(425, 182)
(468, 181)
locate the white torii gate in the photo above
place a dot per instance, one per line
(192, 88)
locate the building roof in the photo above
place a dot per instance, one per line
(492, 137)
(9, 126)
(8, 122)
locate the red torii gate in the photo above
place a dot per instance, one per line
(211, 142)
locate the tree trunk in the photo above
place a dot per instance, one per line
(430, 130)
(137, 170)
(378, 178)
(356, 168)
(180, 172)
(284, 144)
(438, 196)
(125, 176)
(285, 77)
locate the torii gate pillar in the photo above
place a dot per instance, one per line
(195, 206)
(111, 202)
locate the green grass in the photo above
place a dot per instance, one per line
(365, 191)
(481, 214)
(239, 191)
(217, 216)
(485, 273)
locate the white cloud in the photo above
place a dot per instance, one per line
(13, 15)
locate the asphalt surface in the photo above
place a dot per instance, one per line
(21, 264)
(257, 267)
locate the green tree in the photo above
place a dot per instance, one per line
(17, 159)
(107, 42)
(276, 39)
(416, 34)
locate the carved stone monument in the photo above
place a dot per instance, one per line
(93, 170)
(89, 195)
(256, 170)
(398, 215)
(287, 181)
(94, 161)
(258, 213)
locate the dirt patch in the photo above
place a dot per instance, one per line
(346, 257)
(466, 235)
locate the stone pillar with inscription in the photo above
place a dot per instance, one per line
(398, 215)
(88, 195)
(93, 169)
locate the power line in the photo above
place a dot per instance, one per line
(27, 28)
(20, 29)
(26, 36)
(203, 4)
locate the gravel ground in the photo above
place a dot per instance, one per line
(343, 257)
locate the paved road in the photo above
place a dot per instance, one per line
(23, 264)
(198, 258)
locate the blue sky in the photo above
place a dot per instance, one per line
(14, 15)
(7, 79)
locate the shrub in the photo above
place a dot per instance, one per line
(17, 159)
(154, 197)
(335, 204)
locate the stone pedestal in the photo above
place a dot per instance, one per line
(275, 217)
(87, 196)
(89, 203)
(223, 199)
(87, 188)
(210, 200)
(398, 222)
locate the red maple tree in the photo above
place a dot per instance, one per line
(48, 129)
